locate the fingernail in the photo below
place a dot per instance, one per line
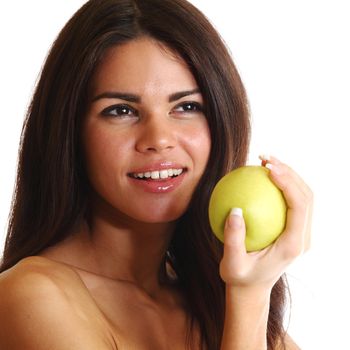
(237, 212)
(235, 218)
(265, 157)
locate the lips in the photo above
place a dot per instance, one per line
(158, 170)
(157, 174)
(161, 177)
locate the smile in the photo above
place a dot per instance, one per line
(158, 181)
(158, 174)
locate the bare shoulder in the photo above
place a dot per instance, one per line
(44, 305)
(36, 278)
(35, 267)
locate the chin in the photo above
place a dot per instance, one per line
(159, 217)
(150, 212)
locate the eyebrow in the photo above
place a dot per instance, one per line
(136, 98)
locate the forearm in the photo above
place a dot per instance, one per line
(246, 318)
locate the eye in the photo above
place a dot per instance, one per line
(121, 110)
(189, 107)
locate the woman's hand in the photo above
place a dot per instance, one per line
(261, 270)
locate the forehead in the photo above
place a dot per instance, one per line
(142, 65)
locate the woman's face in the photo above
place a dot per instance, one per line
(145, 138)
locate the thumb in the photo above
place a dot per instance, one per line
(234, 234)
(234, 246)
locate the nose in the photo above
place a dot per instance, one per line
(156, 135)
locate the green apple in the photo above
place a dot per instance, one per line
(264, 207)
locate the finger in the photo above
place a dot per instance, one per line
(234, 234)
(308, 202)
(267, 159)
(294, 239)
(234, 245)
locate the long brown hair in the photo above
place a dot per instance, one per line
(50, 197)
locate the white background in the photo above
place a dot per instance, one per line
(294, 59)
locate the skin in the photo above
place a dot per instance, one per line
(250, 277)
(102, 282)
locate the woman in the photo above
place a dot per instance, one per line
(138, 113)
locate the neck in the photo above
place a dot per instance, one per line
(116, 247)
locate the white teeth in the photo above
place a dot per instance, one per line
(155, 175)
(161, 174)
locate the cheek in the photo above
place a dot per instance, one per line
(200, 145)
(103, 153)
